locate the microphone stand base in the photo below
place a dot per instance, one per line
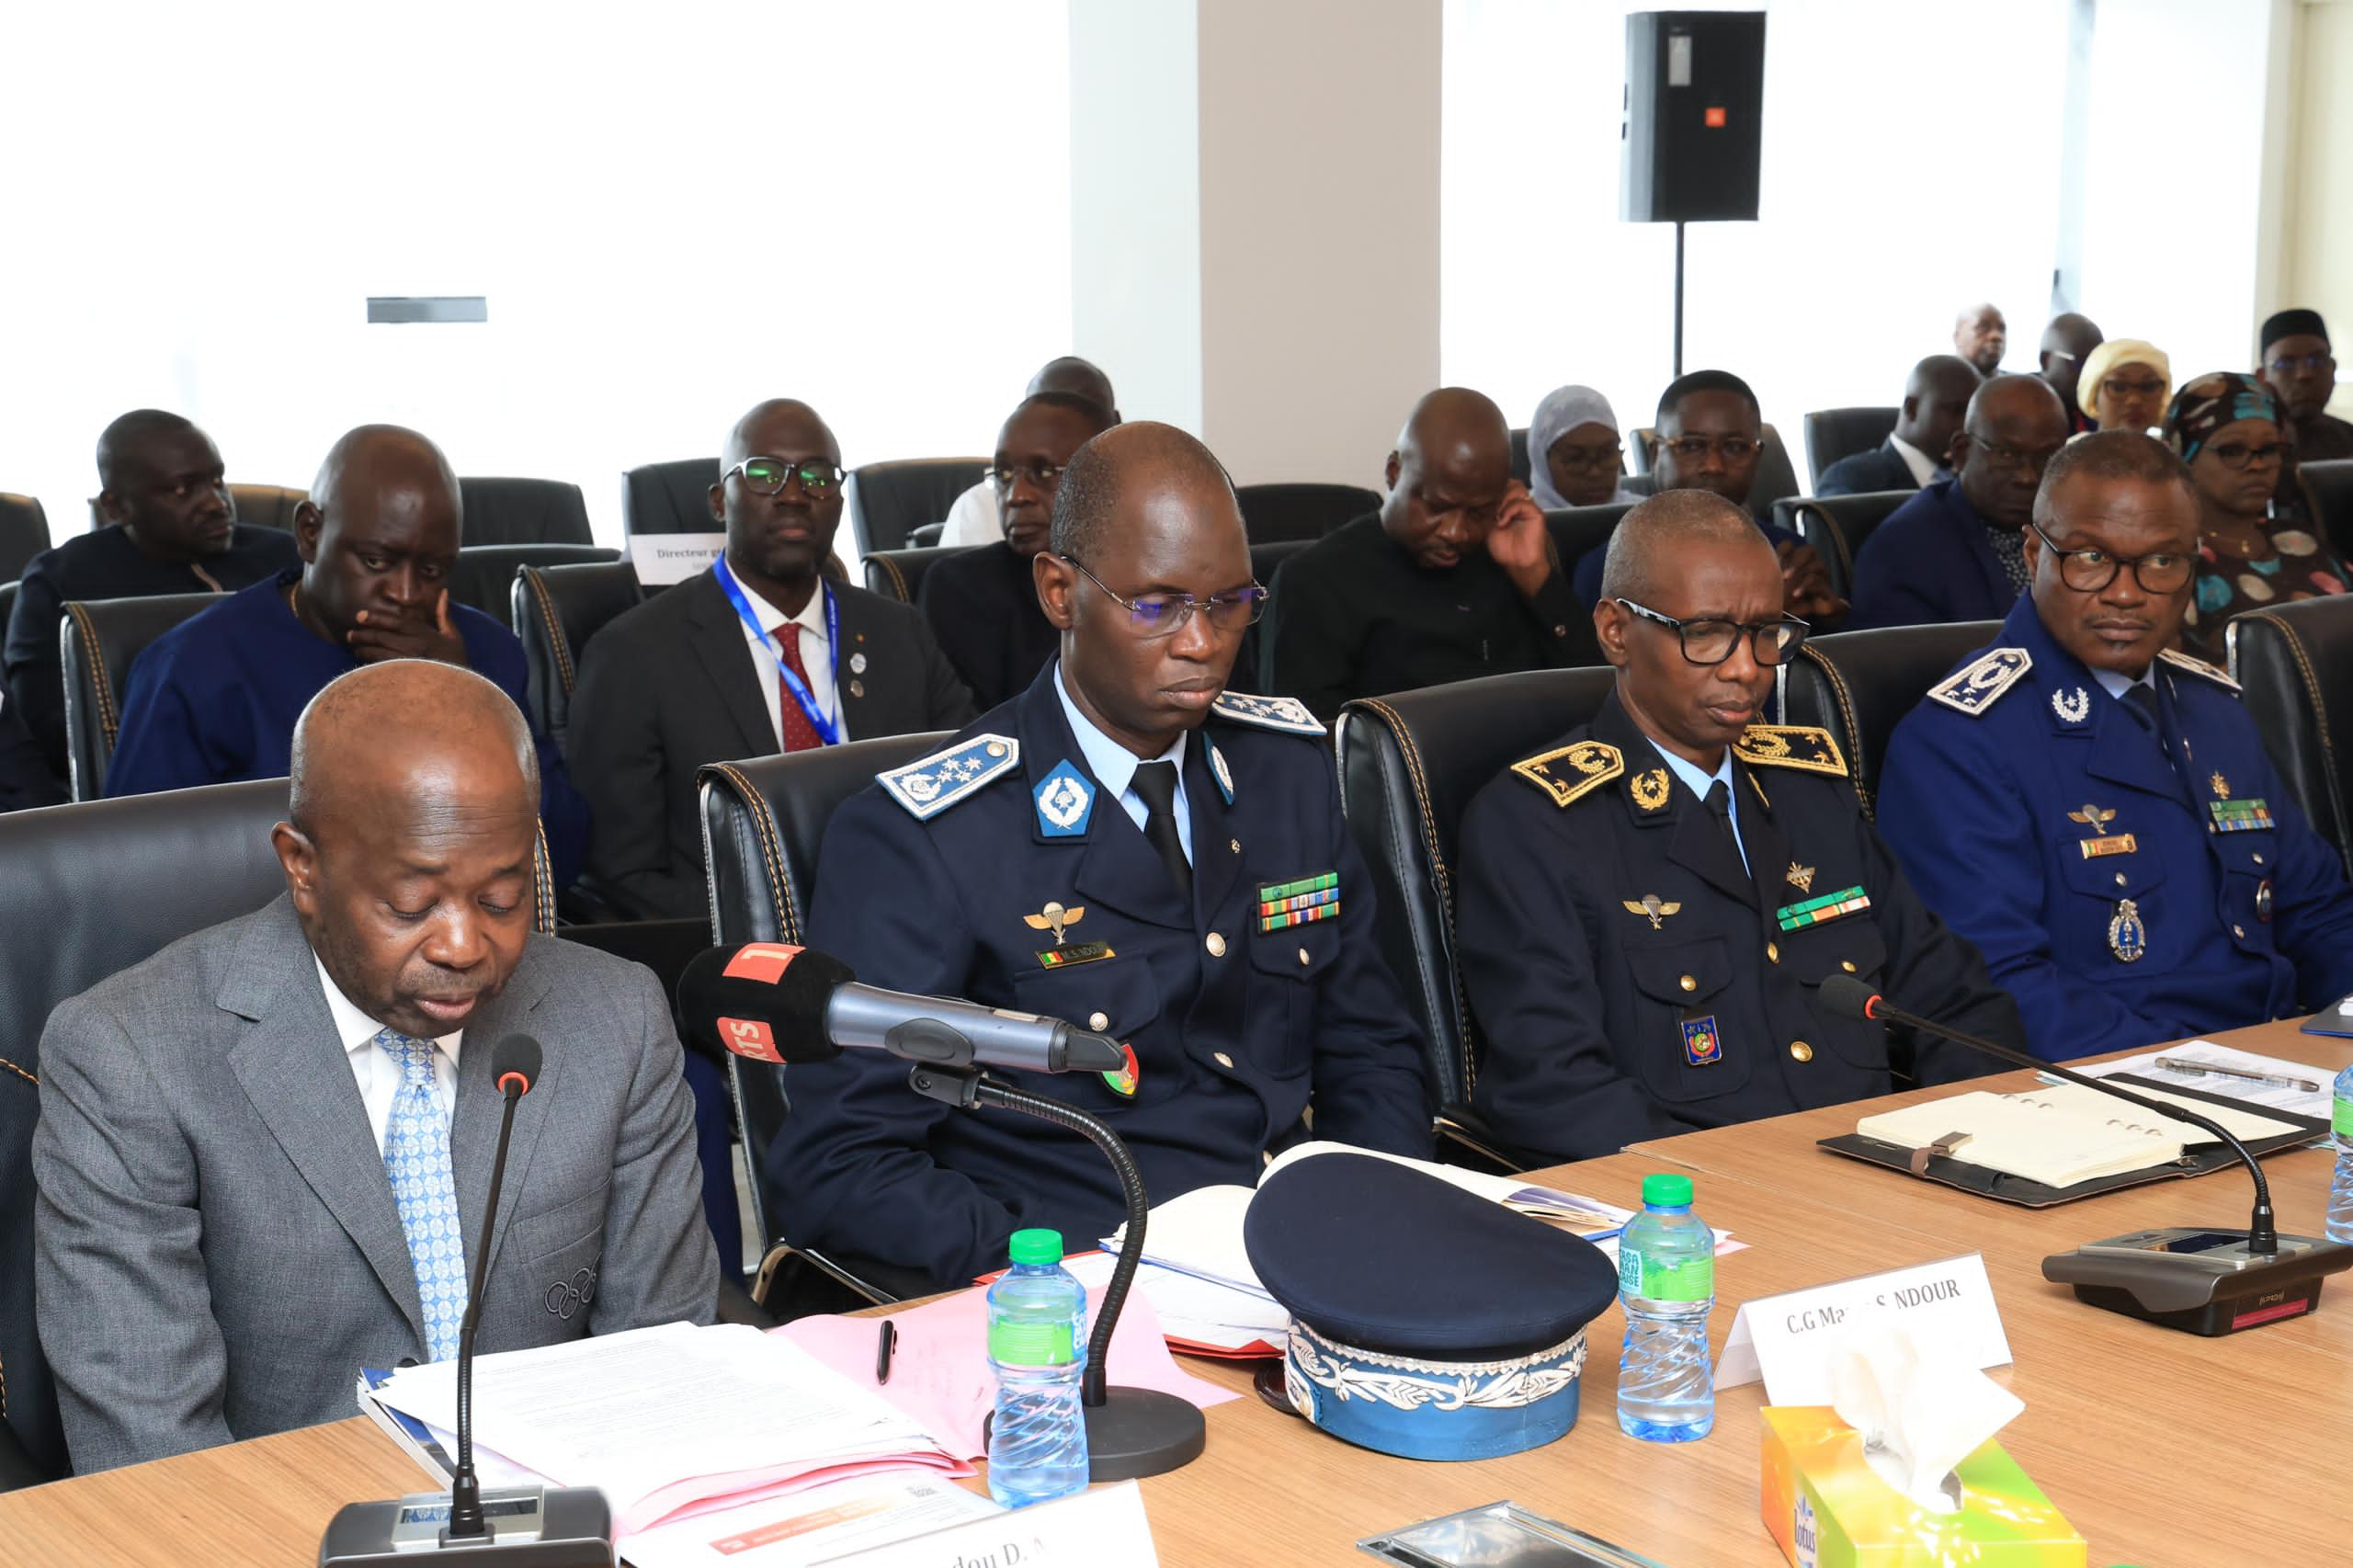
(1139, 1432)
(566, 1527)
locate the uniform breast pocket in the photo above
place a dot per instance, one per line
(1854, 945)
(1287, 974)
(1115, 996)
(2093, 929)
(1687, 1045)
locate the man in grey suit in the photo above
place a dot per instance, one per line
(758, 655)
(264, 1153)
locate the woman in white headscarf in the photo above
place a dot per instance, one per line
(1574, 452)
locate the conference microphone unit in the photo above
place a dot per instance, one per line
(2204, 1279)
(528, 1527)
(773, 1002)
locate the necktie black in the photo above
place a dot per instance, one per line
(1720, 808)
(1156, 783)
(2143, 701)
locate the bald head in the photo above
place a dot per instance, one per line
(1935, 397)
(2067, 342)
(1455, 423)
(132, 437)
(391, 467)
(1079, 378)
(410, 740)
(1980, 335)
(2016, 424)
(160, 481)
(378, 536)
(1660, 539)
(781, 427)
(1131, 459)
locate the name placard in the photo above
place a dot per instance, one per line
(663, 560)
(1106, 1525)
(1788, 1339)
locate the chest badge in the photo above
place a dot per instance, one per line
(2221, 786)
(1064, 802)
(1703, 1043)
(2128, 939)
(1123, 1082)
(1657, 908)
(1649, 790)
(2263, 901)
(2073, 706)
(1056, 918)
(1800, 877)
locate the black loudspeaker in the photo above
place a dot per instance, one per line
(1695, 103)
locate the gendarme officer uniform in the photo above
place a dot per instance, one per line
(2121, 851)
(1632, 978)
(1009, 870)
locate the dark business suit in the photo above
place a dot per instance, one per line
(671, 685)
(1881, 468)
(982, 605)
(1929, 564)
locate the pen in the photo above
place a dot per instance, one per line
(886, 1342)
(2183, 1064)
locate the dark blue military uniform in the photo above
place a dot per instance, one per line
(2128, 886)
(1631, 981)
(1002, 871)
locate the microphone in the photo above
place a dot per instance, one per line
(536, 1526)
(772, 1001)
(2192, 1279)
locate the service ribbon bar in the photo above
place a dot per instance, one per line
(1268, 922)
(1275, 892)
(2239, 816)
(1816, 911)
(1300, 901)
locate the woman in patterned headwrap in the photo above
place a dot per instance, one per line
(2226, 427)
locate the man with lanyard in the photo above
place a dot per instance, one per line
(759, 655)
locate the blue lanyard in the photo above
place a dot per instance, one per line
(828, 730)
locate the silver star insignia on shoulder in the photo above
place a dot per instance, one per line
(932, 784)
(1285, 713)
(1975, 686)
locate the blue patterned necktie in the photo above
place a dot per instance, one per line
(416, 1158)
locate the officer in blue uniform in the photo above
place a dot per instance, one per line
(1124, 847)
(1649, 905)
(2094, 811)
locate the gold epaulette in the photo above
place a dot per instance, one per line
(2181, 661)
(1573, 770)
(1801, 746)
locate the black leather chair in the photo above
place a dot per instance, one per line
(523, 511)
(1278, 512)
(762, 822)
(1777, 476)
(264, 505)
(898, 573)
(1577, 529)
(1859, 685)
(99, 640)
(1409, 764)
(1523, 463)
(2294, 664)
(485, 576)
(670, 498)
(556, 609)
(1835, 433)
(1266, 559)
(1836, 525)
(24, 533)
(2329, 485)
(891, 500)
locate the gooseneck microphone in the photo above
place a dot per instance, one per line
(513, 1066)
(774, 1002)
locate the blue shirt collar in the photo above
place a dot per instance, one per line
(1696, 782)
(1113, 765)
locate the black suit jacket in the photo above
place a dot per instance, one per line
(670, 685)
(982, 605)
(1881, 468)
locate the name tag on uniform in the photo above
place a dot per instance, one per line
(1819, 911)
(1300, 902)
(1077, 952)
(2113, 844)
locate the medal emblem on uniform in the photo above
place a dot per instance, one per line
(1054, 917)
(1064, 802)
(1703, 1046)
(2073, 706)
(2263, 901)
(857, 663)
(1123, 1082)
(2221, 786)
(1649, 790)
(1800, 877)
(2127, 938)
(1657, 908)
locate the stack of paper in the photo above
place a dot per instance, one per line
(2268, 1082)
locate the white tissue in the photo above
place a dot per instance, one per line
(1920, 1414)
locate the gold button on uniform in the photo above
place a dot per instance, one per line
(1772, 952)
(1847, 964)
(1215, 944)
(1689, 983)
(1098, 1022)
(1801, 1051)
(1222, 1060)
(1304, 959)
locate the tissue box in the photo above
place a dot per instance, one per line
(1829, 1509)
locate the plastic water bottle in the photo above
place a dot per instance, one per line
(1667, 1282)
(1038, 1346)
(2340, 1189)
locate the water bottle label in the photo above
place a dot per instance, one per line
(1693, 1280)
(1031, 1344)
(2344, 1118)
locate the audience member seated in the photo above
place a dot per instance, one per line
(2095, 811)
(1936, 396)
(215, 699)
(983, 604)
(2226, 426)
(2124, 385)
(1978, 336)
(1616, 944)
(252, 1146)
(1455, 576)
(2297, 364)
(173, 530)
(1576, 457)
(2067, 343)
(976, 518)
(1955, 550)
(760, 653)
(1122, 848)
(1710, 433)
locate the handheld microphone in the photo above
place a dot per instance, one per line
(535, 1527)
(773, 1002)
(2205, 1280)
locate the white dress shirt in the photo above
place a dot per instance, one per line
(1114, 767)
(1924, 468)
(974, 519)
(816, 657)
(1698, 782)
(376, 1070)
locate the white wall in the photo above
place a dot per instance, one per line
(2318, 232)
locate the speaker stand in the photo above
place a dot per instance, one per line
(1678, 298)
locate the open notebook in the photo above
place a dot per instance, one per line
(2061, 1136)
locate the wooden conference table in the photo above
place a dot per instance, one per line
(2165, 1450)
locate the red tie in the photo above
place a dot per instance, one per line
(800, 735)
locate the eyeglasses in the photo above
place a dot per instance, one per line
(1732, 449)
(1154, 616)
(2090, 571)
(2321, 360)
(2016, 460)
(2239, 455)
(769, 476)
(1711, 643)
(1042, 476)
(1590, 456)
(2145, 386)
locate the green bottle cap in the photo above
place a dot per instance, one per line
(1664, 1191)
(1046, 1246)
